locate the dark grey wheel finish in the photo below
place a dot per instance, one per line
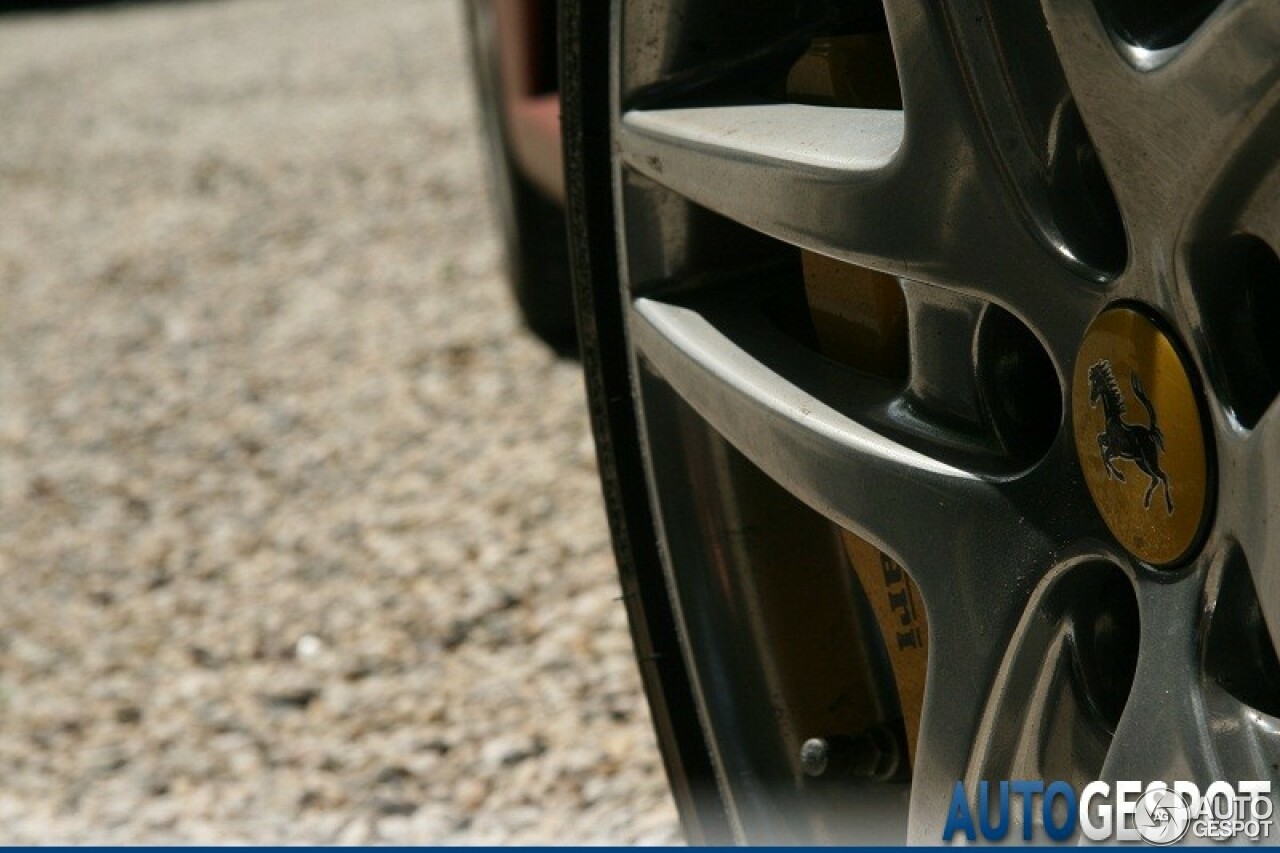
(1050, 160)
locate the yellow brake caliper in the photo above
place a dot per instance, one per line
(860, 318)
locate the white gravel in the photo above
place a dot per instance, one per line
(300, 537)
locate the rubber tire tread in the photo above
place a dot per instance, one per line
(584, 88)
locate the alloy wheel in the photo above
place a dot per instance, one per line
(1043, 188)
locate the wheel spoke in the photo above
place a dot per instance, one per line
(974, 546)
(939, 110)
(813, 450)
(1226, 84)
(835, 181)
(1099, 79)
(963, 666)
(1063, 680)
(965, 158)
(1205, 734)
(944, 328)
(1249, 487)
(1246, 741)
(1005, 696)
(807, 175)
(820, 451)
(1166, 123)
(1166, 694)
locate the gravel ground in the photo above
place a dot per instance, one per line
(300, 537)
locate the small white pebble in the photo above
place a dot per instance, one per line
(308, 647)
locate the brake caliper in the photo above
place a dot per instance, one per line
(860, 317)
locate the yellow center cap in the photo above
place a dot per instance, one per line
(1139, 435)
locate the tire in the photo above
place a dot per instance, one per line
(858, 576)
(538, 263)
(533, 224)
(607, 373)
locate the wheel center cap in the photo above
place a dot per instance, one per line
(1140, 436)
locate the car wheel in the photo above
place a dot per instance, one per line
(930, 367)
(530, 215)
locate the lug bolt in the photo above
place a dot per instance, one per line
(815, 755)
(874, 754)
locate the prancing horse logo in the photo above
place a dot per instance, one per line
(1141, 444)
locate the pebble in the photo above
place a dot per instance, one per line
(300, 535)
